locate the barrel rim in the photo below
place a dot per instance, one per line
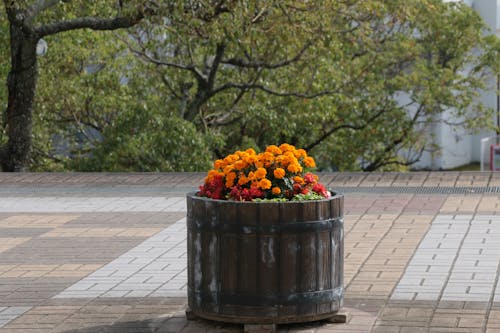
(335, 195)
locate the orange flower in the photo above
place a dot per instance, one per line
(276, 190)
(300, 153)
(243, 180)
(240, 165)
(309, 162)
(267, 158)
(228, 169)
(294, 168)
(260, 173)
(279, 173)
(230, 177)
(250, 151)
(265, 184)
(274, 150)
(212, 174)
(298, 180)
(219, 164)
(286, 147)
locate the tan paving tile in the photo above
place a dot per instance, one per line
(441, 179)
(385, 258)
(35, 221)
(489, 204)
(379, 179)
(411, 179)
(460, 204)
(348, 179)
(101, 232)
(54, 270)
(9, 243)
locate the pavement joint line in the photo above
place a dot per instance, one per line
(137, 272)
(493, 297)
(10, 313)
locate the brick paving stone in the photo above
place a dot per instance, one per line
(377, 179)
(472, 178)
(35, 221)
(7, 243)
(410, 179)
(441, 179)
(10, 313)
(91, 204)
(347, 179)
(460, 204)
(156, 267)
(101, 232)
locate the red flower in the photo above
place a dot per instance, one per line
(309, 178)
(213, 189)
(321, 190)
(245, 194)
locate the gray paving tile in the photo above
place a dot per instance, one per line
(9, 313)
(457, 248)
(158, 263)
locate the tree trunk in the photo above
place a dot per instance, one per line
(21, 84)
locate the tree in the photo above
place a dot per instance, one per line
(359, 82)
(29, 22)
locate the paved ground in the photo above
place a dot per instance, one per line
(106, 253)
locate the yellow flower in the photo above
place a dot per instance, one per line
(265, 184)
(276, 190)
(260, 173)
(309, 162)
(279, 173)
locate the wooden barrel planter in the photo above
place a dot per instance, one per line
(265, 262)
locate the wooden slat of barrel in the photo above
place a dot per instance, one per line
(229, 267)
(288, 266)
(247, 262)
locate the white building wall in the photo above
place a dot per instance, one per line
(457, 146)
(490, 12)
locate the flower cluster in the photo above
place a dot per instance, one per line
(277, 173)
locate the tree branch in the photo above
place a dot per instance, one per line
(145, 56)
(219, 53)
(246, 86)
(409, 162)
(93, 23)
(239, 62)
